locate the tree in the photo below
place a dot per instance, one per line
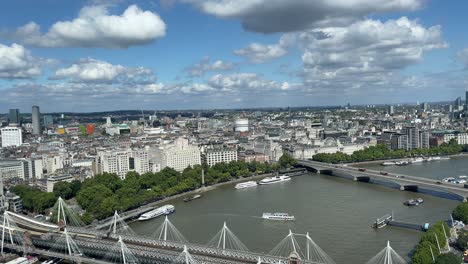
(462, 241)
(63, 189)
(448, 258)
(286, 161)
(461, 212)
(87, 218)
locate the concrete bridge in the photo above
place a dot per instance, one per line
(405, 182)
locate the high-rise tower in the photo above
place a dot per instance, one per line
(36, 120)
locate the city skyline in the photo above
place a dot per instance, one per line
(112, 55)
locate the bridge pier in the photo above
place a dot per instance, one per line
(411, 188)
(361, 178)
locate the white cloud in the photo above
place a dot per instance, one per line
(463, 56)
(269, 16)
(205, 65)
(244, 82)
(258, 53)
(365, 54)
(95, 27)
(16, 62)
(91, 70)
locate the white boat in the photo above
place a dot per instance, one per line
(278, 216)
(163, 210)
(388, 163)
(275, 179)
(462, 177)
(416, 160)
(244, 185)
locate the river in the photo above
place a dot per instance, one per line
(336, 212)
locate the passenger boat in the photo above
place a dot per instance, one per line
(244, 185)
(189, 199)
(382, 221)
(275, 179)
(278, 216)
(414, 202)
(416, 160)
(163, 210)
(388, 163)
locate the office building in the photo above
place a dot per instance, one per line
(178, 155)
(218, 155)
(48, 120)
(424, 137)
(139, 162)
(36, 120)
(14, 116)
(391, 110)
(412, 133)
(11, 136)
(399, 141)
(425, 106)
(12, 169)
(458, 104)
(121, 162)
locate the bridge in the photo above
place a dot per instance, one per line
(405, 182)
(119, 244)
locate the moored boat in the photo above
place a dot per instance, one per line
(275, 179)
(163, 210)
(191, 198)
(414, 202)
(244, 185)
(388, 163)
(278, 216)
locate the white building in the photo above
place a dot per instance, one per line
(273, 149)
(52, 162)
(121, 162)
(226, 155)
(303, 152)
(11, 136)
(178, 155)
(51, 181)
(139, 161)
(12, 169)
(447, 135)
(241, 125)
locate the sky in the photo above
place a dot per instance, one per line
(100, 55)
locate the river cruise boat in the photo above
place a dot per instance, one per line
(163, 210)
(244, 185)
(275, 179)
(388, 163)
(191, 198)
(278, 216)
(414, 202)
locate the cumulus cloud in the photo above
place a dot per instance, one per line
(205, 65)
(260, 53)
(16, 62)
(268, 16)
(91, 70)
(96, 27)
(368, 53)
(245, 82)
(463, 56)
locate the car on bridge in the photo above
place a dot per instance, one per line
(384, 173)
(361, 169)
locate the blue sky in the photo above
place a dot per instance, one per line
(187, 54)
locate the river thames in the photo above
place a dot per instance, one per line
(336, 212)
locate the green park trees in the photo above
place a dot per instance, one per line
(381, 151)
(461, 212)
(430, 241)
